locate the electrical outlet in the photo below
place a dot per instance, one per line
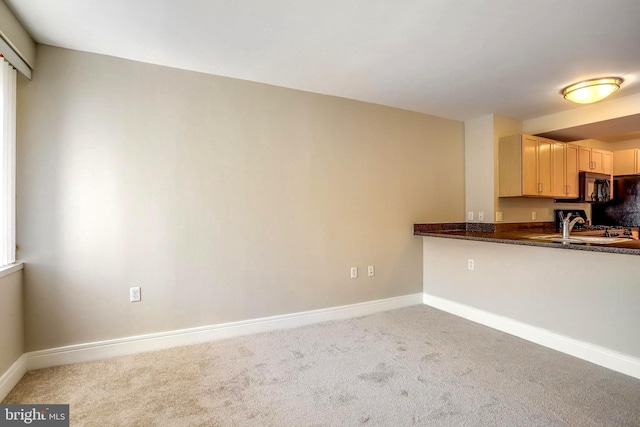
(134, 294)
(534, 215)
(480, 216)
(471, 265)
(371, 271)
(499, 217)
(469, 216)
(354, 272)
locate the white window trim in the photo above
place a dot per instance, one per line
(11, 268)
(8, 82)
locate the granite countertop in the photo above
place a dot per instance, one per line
(520, 234)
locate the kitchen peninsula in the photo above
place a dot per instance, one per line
(526, 234)
(582, 300)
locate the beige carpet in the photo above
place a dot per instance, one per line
(415, 366)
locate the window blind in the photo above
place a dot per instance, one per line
(8, 82)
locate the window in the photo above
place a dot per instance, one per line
(8, 82)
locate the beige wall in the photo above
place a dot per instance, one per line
(588, 296)
(11, 320)
(519, 209)
(224, 199)
(478, 151)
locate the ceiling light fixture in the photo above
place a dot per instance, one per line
(592, 90)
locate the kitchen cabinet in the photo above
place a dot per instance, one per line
(594, 160)
(584, 159)
(626, 162)
(525, 166)
(531, 166)
(565, 170)
(572, 171)
(559, 169)
(607, 164)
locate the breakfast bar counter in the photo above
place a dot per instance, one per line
(527, 234)
(582, 301)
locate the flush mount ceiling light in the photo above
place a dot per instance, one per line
(592, 90)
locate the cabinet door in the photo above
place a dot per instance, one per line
(625, 162)
(571, 187)
(607, 162)
(585, 159)
(545, 167)
(559, 169)
(597, 161)
(529, 166)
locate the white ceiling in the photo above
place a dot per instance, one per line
(458, 59)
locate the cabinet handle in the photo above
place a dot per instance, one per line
(568, 189)
(539, 187)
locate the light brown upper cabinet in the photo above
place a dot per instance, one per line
(565, 172)
(531, 166)
(525, 166)
(559, 168)
(572, 173)
(594, 160)
(626, 162)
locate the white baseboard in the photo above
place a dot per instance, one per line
(141, 343)
(602, 356)
(10, 378)
(136, 344)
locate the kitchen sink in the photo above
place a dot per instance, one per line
(578, 239)
(600, 239)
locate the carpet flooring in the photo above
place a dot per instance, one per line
(415, 366)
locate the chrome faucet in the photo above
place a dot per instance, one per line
(568, 223)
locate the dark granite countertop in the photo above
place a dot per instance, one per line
(519, 234)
